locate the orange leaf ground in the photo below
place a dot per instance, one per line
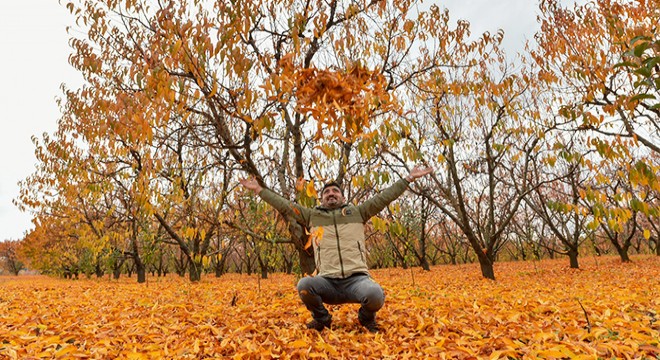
(532, 311)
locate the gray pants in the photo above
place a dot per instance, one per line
(357, 288)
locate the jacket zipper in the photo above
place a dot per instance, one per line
(341, 262)
(361, 253)
(318, 258)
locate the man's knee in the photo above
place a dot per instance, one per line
(373, 296)
(305, 286)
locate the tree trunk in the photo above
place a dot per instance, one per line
(263, 267)
(220, 267)
(195, 271)
(98, 270)
(116, 272)
(623, 253)
(141, 271)
(404, 264)
(573, 258)
(307, 264)
(287, 264)
(465, 257)
(306, 256)
(181, 265)
(424, 263)
(117, 265)
(621, 250)
(487, 269)
(160, 265)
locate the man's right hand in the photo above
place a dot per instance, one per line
(418, 172)
(252, 184)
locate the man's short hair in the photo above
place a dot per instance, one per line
(330, 184)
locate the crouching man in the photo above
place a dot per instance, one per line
(339, 249)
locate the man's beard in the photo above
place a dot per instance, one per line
(332, 202)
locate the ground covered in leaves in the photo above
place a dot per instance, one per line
(533, 310)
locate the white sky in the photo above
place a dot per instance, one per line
(34, 64)
(33, 60)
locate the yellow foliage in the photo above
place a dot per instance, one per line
(310, 190)
(379, 224)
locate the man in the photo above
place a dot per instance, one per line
(338, 237)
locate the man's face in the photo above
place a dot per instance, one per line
(332, 198)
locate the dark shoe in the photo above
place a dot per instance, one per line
(371, 326)
(319, 325)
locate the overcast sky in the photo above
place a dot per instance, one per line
(34, 64)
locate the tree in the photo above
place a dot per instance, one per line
(261, 231)
(9, 256)
(527, 236)
(559, 204)
(654, 235)
(190, 195)
(409, 226)
(614, 215)
(451, 243)
(479, 126)
(71, 205)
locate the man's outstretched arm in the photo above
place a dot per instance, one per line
(377, 203)
(281, 204)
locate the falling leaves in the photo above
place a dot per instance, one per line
(343, 101)
(532, 311)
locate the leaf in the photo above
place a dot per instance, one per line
(308, 244)
(67, 349)
(299, 344)
(639, 49)
(643, 71)
(310, 190)
(642, 38)
(640, 97)
(647, 234)
(379, 224)
(651, 62)
(625, 64)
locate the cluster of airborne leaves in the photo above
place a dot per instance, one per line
(534, 310)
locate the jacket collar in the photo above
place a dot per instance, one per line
(328, 209)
